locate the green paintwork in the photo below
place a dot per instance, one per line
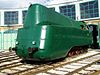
(62, 33)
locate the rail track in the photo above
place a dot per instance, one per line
(86, 63)
(7, 56)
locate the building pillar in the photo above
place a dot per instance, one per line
(77, 10)
(20, 17)
(57, 9)
(2, 18)
(99, 7)
(2, 40)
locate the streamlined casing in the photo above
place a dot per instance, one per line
(48, 35)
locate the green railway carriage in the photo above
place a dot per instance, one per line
(48, 35)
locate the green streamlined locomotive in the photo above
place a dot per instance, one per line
(48, 35)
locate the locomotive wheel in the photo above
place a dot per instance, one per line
(81, 51)
(77, 52)
(71, 53)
